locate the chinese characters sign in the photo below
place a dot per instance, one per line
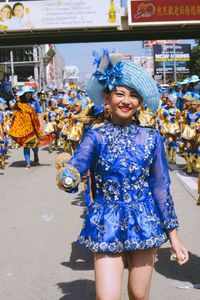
(156, 12)
(58, 14)
(182, 54)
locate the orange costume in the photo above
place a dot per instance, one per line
(25, 127)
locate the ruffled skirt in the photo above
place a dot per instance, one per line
(51, 127)
(189, 133)
(76, 133)
(121, 227)
(171, 128)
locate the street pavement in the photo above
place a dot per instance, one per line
(39, 225)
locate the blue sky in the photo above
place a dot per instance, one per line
(81, 54)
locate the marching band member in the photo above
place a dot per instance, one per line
(169, 115)
(146, 117)
(191, 128)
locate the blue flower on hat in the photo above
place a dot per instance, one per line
(110, 75)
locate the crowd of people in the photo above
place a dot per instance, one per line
(68, 114)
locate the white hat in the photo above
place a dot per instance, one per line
(185, 81)
(194, 78)
(172, 98)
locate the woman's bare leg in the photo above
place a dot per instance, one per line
(141, 264)
(108, 275)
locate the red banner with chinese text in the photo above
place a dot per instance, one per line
(164, 11)
(126, 57)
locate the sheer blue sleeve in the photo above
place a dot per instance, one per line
(68, 177)
(86, 153)
(159, 183)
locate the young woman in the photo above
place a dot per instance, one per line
(132, 212)
(52, 116)
(171, 128)
(191, 129)
(27, 126)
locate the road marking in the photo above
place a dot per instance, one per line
(185, 178)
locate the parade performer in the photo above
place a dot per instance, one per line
(52, 119)
(27, 126)
(194, 80)
(4, 118)
(8, 121)
(146, 117)
(184, 85)
(159, 124)
(132, 213)
(8, 114)
(107, 111)
(3, 150)
(191, 128)
(187, 99)
(170, 119)
(74, 127)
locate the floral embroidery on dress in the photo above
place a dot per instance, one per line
(132, 206)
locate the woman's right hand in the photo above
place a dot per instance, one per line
(68, 178)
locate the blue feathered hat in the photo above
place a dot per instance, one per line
(112, 70)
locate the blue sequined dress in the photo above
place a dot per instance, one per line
(132, 206)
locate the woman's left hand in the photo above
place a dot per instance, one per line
(179, 249)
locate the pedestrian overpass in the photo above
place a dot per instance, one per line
(64, 21)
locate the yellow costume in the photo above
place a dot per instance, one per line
(170, 120)
(191, 122)
(146, 117)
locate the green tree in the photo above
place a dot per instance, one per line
(195, 59)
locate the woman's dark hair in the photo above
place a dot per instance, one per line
(136, 119)
(17, 4)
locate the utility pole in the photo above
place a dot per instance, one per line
(36, 66)
(174, 50)
(164, 66)
(12, 67)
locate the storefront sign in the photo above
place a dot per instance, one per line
(150, 43)
(60, 14)
(163, 12)
(182, 53)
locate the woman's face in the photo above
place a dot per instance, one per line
(193, 107)
(169, 103)
(28, 95)
(186, 103)
(54, 105)
(185, 87)
(5, 13)
(164, 100)
(19, 11)
(72, 95)
(107, 110)
(77, 109)
(123, 102)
